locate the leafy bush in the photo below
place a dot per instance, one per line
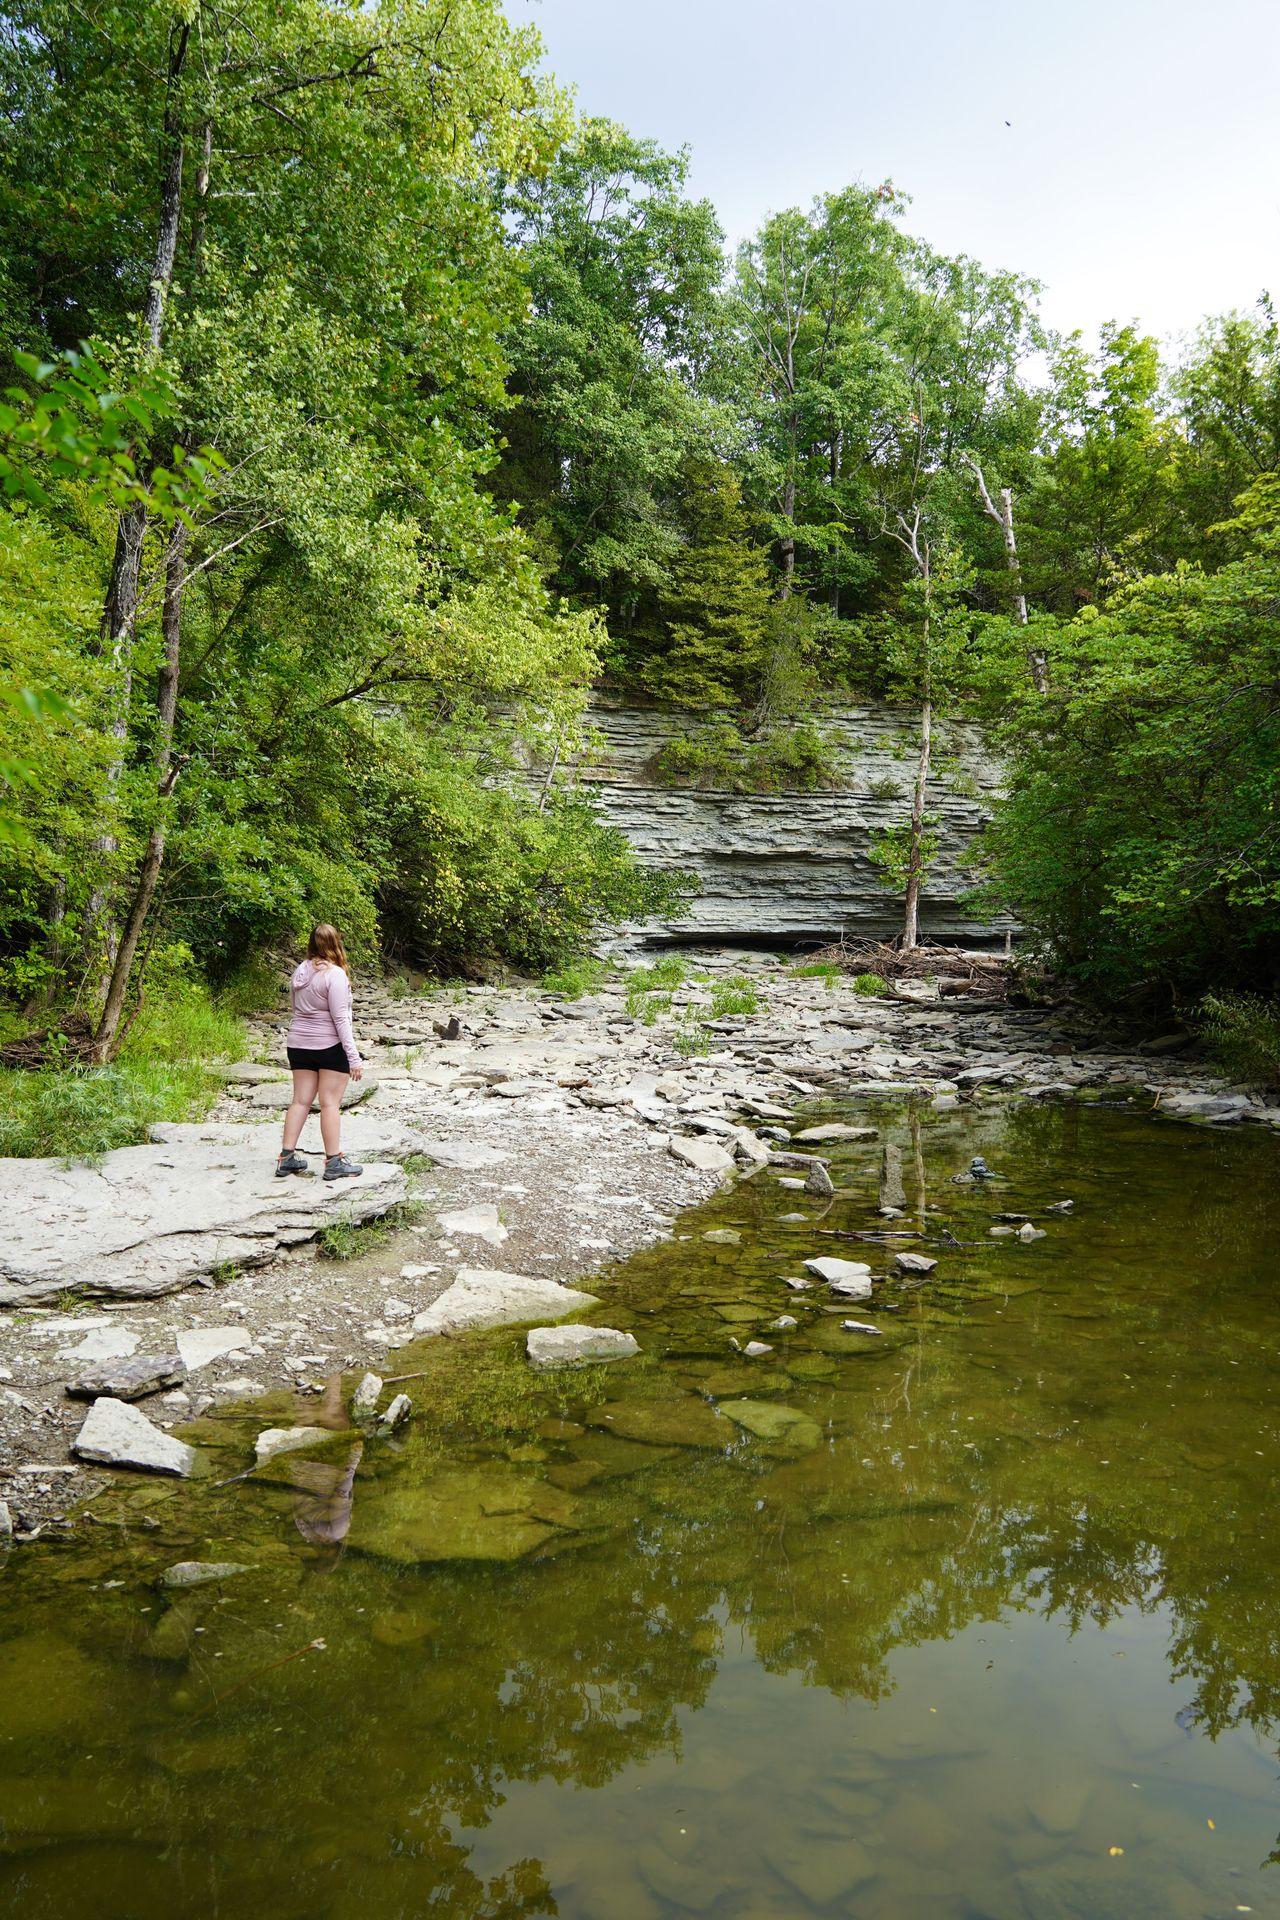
(81, 1113)
(1243, 1031)
(649, 989)
(797, 757)
(575, 978)
(870, 983)
(1139, 839)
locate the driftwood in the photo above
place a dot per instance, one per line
(958, 971)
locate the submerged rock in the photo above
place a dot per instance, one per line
(201, 1573)
(779, 1426)
(116, 1434)
(914, 1262)
(276, 1440)
(549, 1348)
(480, 1297)
(462, 1513)
(836, 1130)
(723, 1237)
(129, 1379)
(662, 1423)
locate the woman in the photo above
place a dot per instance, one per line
(322, 1053)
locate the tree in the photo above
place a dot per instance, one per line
(716, 612)
(622, 271)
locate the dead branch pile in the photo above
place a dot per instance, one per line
(957, 970)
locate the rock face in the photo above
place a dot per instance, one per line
(797, 866)
(146, 1220)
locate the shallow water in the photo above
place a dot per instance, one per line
(996, 1637)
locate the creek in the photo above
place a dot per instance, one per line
(972, 1617)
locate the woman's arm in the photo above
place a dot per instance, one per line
(340, 1014)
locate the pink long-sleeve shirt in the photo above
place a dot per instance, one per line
(321, 994)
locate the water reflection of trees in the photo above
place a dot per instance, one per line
(982, 1465)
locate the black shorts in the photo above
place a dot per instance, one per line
(329, 1059)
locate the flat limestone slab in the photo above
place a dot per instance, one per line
(146, 1220)
(481, 1298)
(116, 1434)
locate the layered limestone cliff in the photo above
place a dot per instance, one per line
(797, 867)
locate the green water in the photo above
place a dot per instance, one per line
(1004, 1602)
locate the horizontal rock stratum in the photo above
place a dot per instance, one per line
(147, 1220)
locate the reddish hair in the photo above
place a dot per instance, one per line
(326, 944)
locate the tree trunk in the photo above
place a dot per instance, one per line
(120, 609)
(167, 769)
(787, 545)
(1037, 660)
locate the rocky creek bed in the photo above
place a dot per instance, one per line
(905, 1548)
(547, 1140)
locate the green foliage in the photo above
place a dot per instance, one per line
(870, 984)
(347, 1239)
(650, 989)
(828, 971)
(81, 1113)
(783, 759)
(891, 851)
(716, 611)
(575, 978)
(737, 994)
(1243, 1031)
(1140, 838)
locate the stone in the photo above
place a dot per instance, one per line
(550, 1348)
(701, 1154)
(914, 1262)
(723, 1237)
(239, 1387)
(129, 1379)
(852, 1278)
(835, 1130)
(785, 1323)
(478, 1222)
(201, 1346)
(819, 1181)
(783, 1428)
(749, 1147)
(276, 1440)
(116, 1434)
(822, 1871)
(6, 1521)
(104, 1343)
(364, 1400)
(397, 1414)
(469, 1156)
(860, 1326)
(146, 1220)
(757, 1349)
(201, 1573)
(480, 1298)
(1027, 1232)
(490, 1512)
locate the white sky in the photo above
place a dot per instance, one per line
(1140, 178)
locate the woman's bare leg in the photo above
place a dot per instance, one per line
(332, 1088)
(305, 1082)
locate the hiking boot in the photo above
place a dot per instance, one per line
(291, 1162)
(340, 1168)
